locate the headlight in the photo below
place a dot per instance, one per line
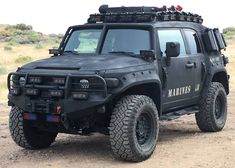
(56, 93)
(22, 81)
(80, 95)
(59, 80)
(35, 79)
(15, 91)
(31, 92)
(112, 82)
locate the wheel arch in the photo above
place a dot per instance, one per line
(221, 77)
(150, 88)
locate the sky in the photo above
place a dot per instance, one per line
(55, 16)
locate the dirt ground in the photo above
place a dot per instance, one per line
(180, 145)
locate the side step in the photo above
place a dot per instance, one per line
(176, 114)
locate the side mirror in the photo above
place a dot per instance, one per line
(55, 52)
(172, 49)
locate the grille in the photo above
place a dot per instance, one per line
(91, 84)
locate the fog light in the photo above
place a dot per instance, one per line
(32, 92)
(15, 91)
(56, 93)
(59, 80)
(35, 79)
(80, 95)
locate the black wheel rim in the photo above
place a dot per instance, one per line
(218, 107)
(143, 128)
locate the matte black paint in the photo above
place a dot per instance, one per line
(131, 72)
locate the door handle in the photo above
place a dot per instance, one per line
(190, 65)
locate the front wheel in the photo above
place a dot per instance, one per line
(134, 128)
(213, 109)
(25, 135)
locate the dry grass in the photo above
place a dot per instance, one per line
(230, 52)
(8, 61)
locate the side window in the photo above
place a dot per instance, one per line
(193, 41)
(171, 35)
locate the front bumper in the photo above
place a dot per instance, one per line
(44, 103)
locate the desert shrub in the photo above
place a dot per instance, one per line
(24, 34)
(27, 38)
(20, 26)
(12, 43)
(2, 70)
(229, 33)
(229, 30)
(7, 48)
(23, 59)
(20, 34)
(35, 37)
(38, 46)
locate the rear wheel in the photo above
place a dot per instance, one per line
(134, 128)
(213, 109)
(25, 135)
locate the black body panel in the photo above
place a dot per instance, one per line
(100, 80)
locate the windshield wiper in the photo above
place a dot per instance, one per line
(71, 52)
(132, 54)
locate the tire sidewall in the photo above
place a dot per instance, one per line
(25, 135)
(148, 148)
(220, 122)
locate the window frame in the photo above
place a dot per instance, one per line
(187, 42)
(95, 29)
(148, 33)
(183, 38)
(139, 27)
(81, 27)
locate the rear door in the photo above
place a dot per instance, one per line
(177, 72)
(197, 58)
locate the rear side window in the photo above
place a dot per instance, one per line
(193, 41)
(171, 35)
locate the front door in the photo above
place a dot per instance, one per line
(178, 72)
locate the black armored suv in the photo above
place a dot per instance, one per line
(119, 74)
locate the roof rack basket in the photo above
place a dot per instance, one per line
(142, 14)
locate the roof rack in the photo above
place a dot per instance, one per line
(142, 14)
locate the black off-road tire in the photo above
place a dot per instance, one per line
(25, 135)
(134, 128)
(213, 109)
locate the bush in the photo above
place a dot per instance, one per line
(229, 33)
(7, 48)
(23, 59)
(2, 70)
(24, 34)
(20, 26)
(38, 46)
(229, 30)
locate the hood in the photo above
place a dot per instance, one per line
(86, 62)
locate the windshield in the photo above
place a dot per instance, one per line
(83, 41)
(115, 41)
(126, 40)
